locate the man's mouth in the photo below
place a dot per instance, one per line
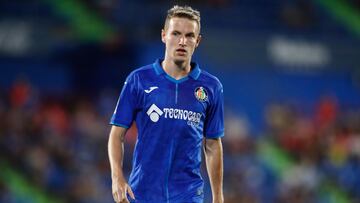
(181, 50)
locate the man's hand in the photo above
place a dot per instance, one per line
(214, 164)
(120, 189)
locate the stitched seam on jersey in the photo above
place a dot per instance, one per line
(215, 135)
(168, 172)
(176, 93)
(119, 125)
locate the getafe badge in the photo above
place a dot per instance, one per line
(201, 94)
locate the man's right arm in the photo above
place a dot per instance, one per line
(120, 186)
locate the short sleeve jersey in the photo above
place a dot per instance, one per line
(172, 117)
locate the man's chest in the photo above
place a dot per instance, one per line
(180, 101)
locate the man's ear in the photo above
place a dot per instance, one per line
(198, 40)
(163, 34)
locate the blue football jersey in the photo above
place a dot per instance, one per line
(172, 117)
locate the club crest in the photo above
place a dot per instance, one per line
(201, 94)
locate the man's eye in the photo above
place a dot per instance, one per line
(190, 35)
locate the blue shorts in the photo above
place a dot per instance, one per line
(195, 199)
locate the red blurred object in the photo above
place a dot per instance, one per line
(326, 112)
(20, 93)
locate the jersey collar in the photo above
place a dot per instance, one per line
(194, 73)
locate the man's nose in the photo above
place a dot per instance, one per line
(182, 40)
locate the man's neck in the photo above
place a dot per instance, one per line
(176, 71)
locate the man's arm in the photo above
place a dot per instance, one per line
(214, 163)
(116, 155)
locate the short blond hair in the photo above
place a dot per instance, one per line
(182, 12)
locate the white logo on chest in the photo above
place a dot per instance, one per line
(151, 89)
(154, 112)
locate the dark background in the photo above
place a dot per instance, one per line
(291, 76)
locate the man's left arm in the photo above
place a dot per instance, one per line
(214, 164)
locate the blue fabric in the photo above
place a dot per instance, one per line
(172, 116)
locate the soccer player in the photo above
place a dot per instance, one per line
(178, 109)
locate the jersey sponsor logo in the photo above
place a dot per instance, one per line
(151, 89)
(192, 118)
(154, 113)
(182, 114)
(201, 94)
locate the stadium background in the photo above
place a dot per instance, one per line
(290, 70)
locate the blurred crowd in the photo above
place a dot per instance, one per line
(60, 146)
(325, 146)
(322, 146)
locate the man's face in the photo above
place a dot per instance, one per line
(181, 38)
